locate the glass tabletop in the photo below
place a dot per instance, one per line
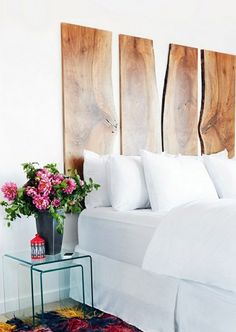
(25, 257)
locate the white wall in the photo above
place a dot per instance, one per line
(30, 69)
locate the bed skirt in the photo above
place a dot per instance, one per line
(200, 308)
(127, 291)
(156, 303)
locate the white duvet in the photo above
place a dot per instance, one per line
(197, 241)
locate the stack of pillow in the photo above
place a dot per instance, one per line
(159, 181)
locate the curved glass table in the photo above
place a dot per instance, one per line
(15, 264)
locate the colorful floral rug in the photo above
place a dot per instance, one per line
(70, 320)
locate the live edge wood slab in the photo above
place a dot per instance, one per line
(88, 106)
(139, 106)
(217, 120)
(180, 101)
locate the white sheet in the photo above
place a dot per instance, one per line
(197, 241)
(119, 235)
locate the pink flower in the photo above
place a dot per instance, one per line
(57, 179)
(53, 191)
(41, 202)
(44, 186)
(43, 173)
(31, 191)
(70, 186)
(56, 202)
(9, 190)
(81, 182)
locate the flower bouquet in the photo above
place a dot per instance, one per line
(47, 190)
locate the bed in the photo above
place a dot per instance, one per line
(148, 300)
(172, 267)
(132, 280)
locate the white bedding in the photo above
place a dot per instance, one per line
(189, 280)
(123, 236)
(197, 242)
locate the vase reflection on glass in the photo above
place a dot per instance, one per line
(47, 228)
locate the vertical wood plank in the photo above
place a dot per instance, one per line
(217, 121)
(89, 113)
(180, 101)
(140, 113)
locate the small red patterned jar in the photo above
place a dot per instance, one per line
(37, 247)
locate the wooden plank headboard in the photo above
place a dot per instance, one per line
(89, 113)
(90, 119)
(139, 105)
(180, 101)
(217, 122)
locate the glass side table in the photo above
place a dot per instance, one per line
(28, 269)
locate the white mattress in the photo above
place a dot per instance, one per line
(122, 236)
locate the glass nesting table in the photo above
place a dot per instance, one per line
(24, 284)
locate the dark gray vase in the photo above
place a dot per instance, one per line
(47, 228)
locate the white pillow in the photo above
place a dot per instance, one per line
(95, 168)
(222, 154)
(223, 174)
(127, 185)
(172, 181)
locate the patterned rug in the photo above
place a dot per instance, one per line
(70, 320)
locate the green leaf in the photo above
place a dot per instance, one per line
(3, 203)
(52, 168)
(29, 169)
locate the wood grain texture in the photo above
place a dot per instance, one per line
(180, 101)
(217, 121)
(89, 113)
(140, 112)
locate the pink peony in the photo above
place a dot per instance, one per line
(9, 190)
(41, 202)
(81, 182)
(53, 191)
(31, 191)
(57, 179)
(43, 173)
(56, 202)
(70, 186)
(44, 186)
